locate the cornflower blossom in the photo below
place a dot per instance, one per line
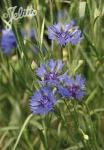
(74, 88)
(42, 101)
(8, 41)
(51, 72)
(64, 34)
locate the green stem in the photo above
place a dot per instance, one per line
(92, 131)
(44, 123)
(62, 53)
(74, 115)
(21, 131)
(64, 119)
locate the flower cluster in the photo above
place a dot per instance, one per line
(51, 78)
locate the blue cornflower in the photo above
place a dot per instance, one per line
(42, 101)
(64, 34)
(74, 88)
(8, 41)
(50, 73)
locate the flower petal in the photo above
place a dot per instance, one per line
(63, 92)
(51, 64)
(41, 71)
(53, 31)
(59, 66)
(69, 26)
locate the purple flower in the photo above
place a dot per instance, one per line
(50, 73)
(74, 88)
(8, 41)
(64, 34)
(42, 101)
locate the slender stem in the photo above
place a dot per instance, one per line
(68, 108)
(62, 53)
(75, 119)
(51, 11)
(21, 131)
(44, 123)
(92, 129)
(64, 119)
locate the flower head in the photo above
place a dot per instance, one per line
(42, 101)
(65, 33)
(50, 73)
(8, 41)
(74, 88)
